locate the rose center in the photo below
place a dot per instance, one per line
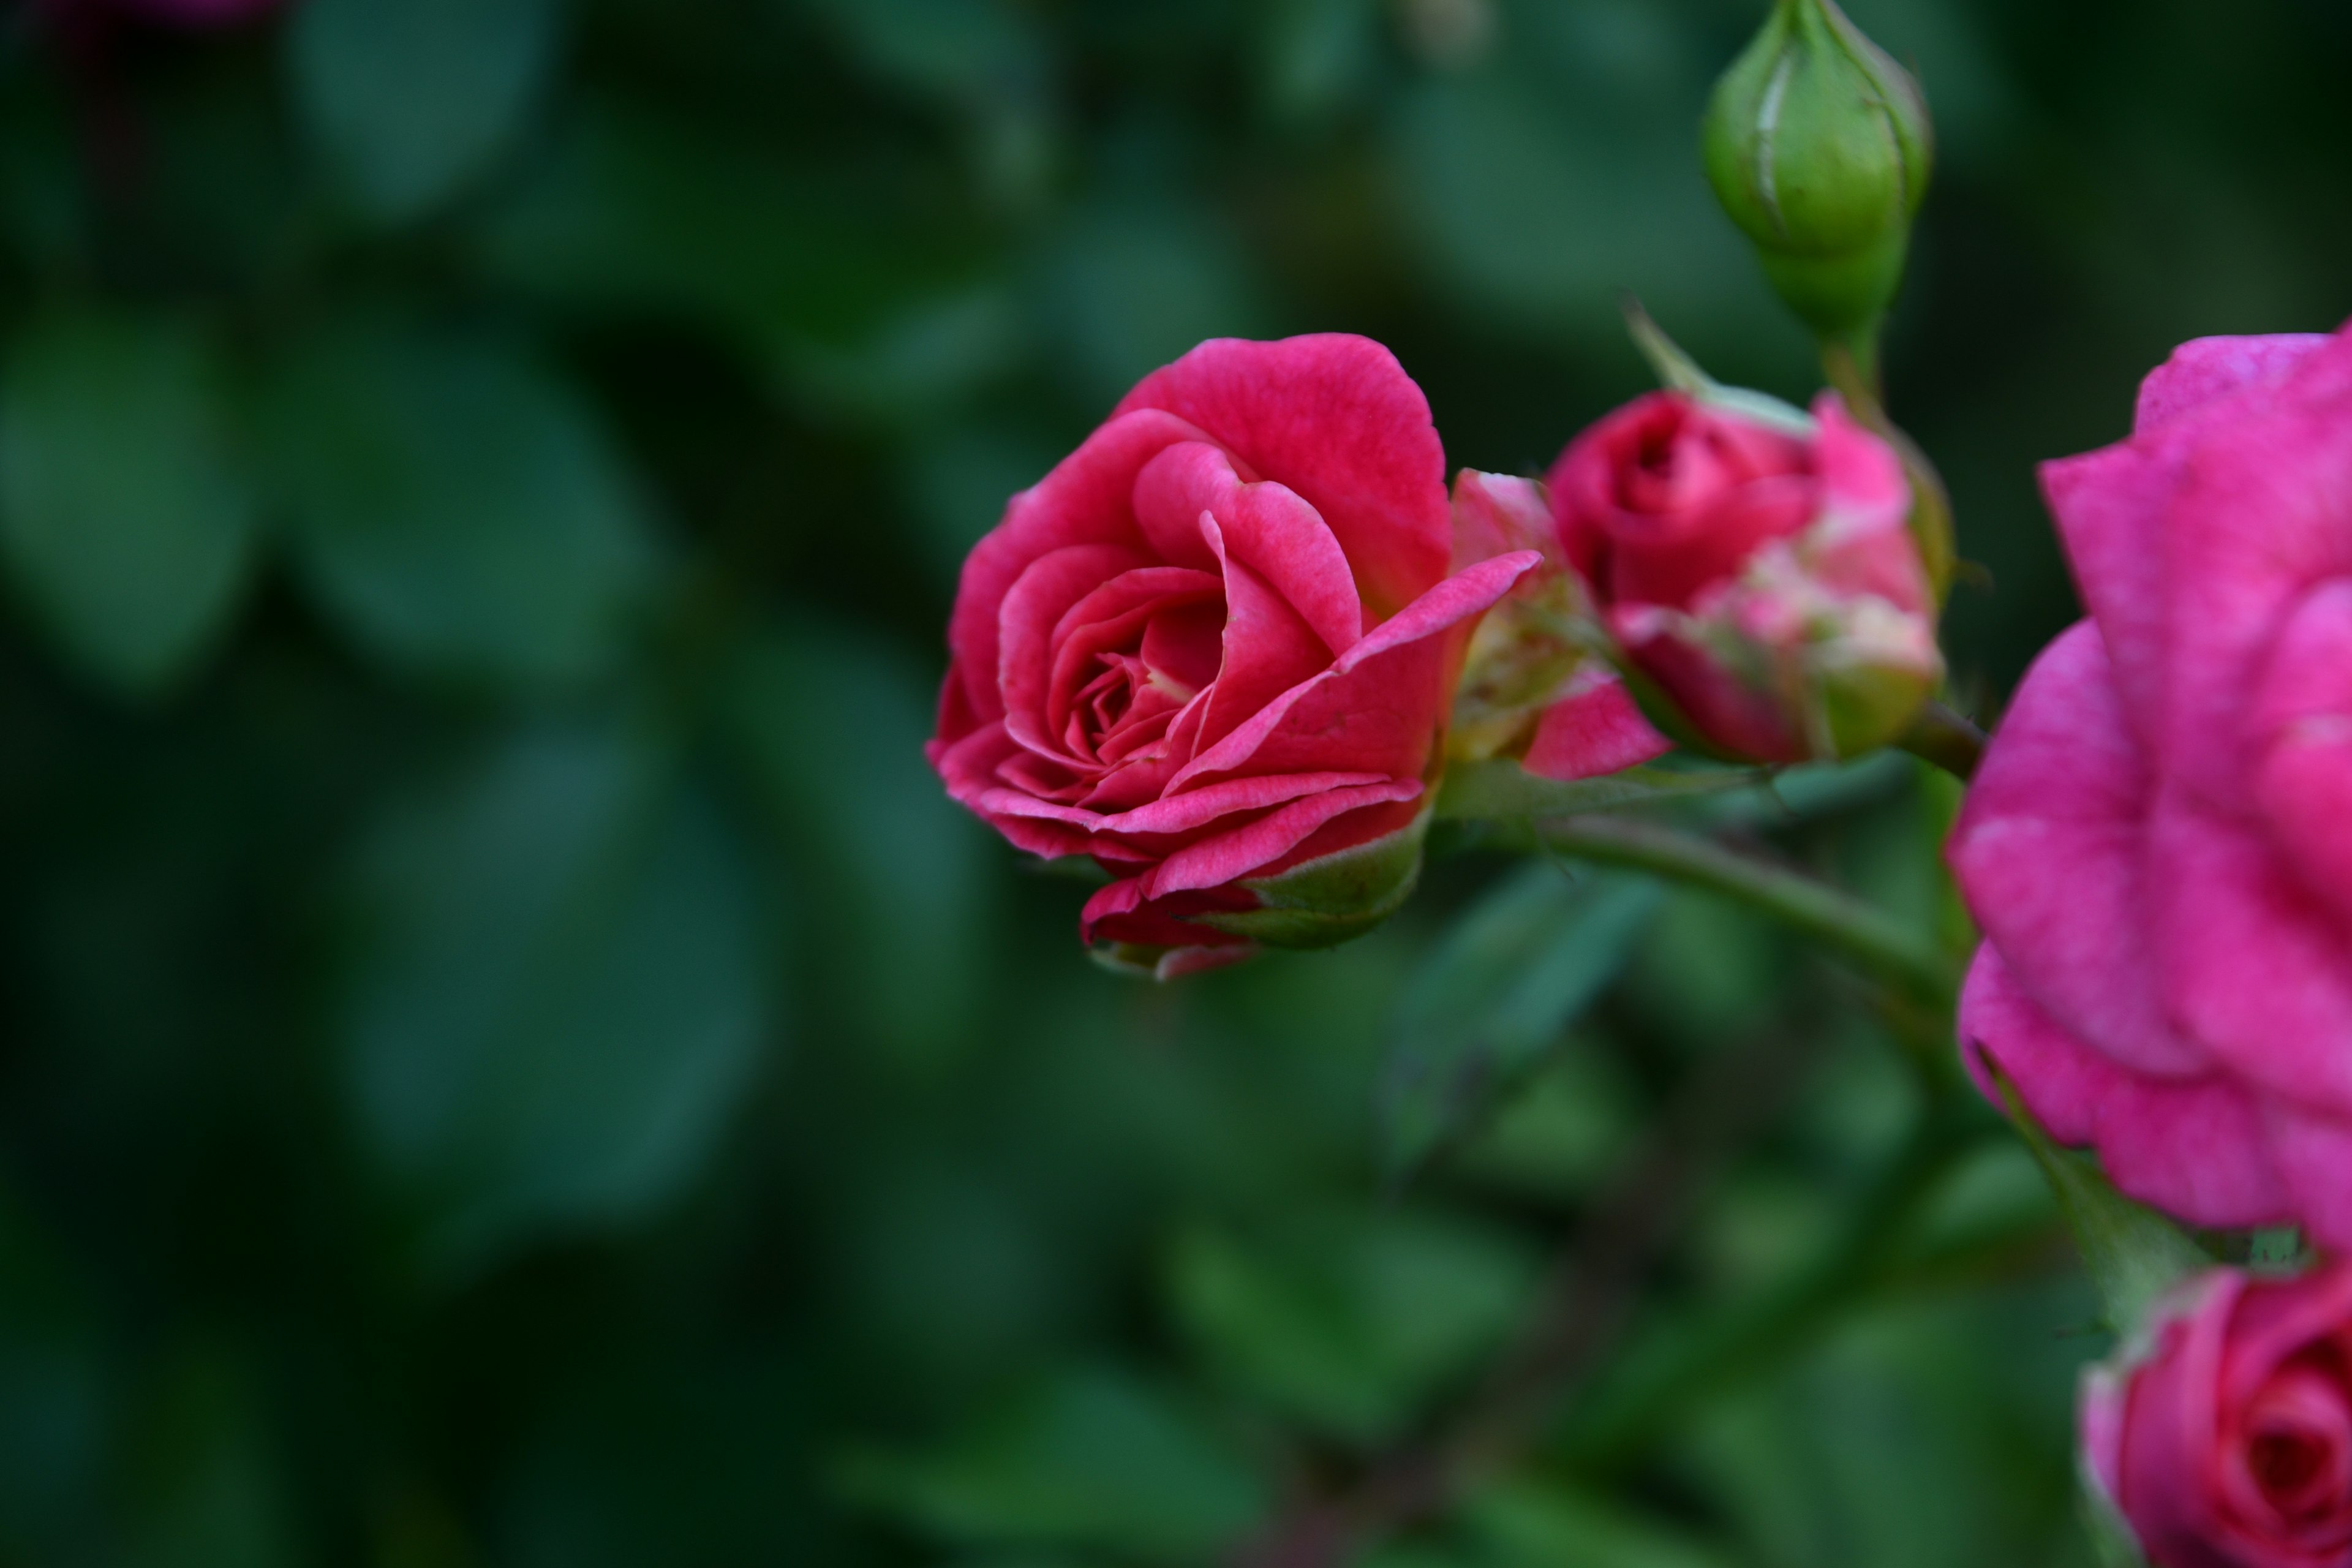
(2286, 1463)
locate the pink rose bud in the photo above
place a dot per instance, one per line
(1755, 567)
(1533, 688)
(2222, 1436)
(1214, 651)
(2158, 843)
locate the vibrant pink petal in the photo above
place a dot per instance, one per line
(1229, 857)
(2195, 1148)
(1266, 526)
(2250, 963)
(2313, 1154)
(1046, 589)
(2205, 369)
(1378, 709)
(1184, 813)
(2049, 850)
(1594, 730)
(1085, 500)
(1496, 514)
(2301, 730)
(1334, 418)
(2261, 517)
(1268, 647)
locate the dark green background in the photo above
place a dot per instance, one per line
(506, 1057)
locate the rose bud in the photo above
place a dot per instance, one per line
(2222, 1436)
(2158, 845)
(1819, 146)
(1214, 651)
(1756, 569)
(1532, 688)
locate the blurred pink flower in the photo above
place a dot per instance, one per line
(2222, 1436)
(2158, 845)
(1757, 567)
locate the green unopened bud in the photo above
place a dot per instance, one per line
(1819, 146)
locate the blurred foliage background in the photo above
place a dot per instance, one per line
(506, 1057)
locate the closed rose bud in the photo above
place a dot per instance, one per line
(1819, 146)
(1755, 567)
(2221, 1436)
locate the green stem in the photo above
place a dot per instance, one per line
(1947, 739)
(1840, 921)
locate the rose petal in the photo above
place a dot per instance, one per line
(2250, 961)
(1595, 728)
(2204, 369)
(1033, 607)
(1334, 418)
(1496, 514)
(2313, 1154)
(1378, 709)
(2301, 729)
(2196, 1148)
(2049, 850)
(1266, 526)
(1086, 499)
(1229, 857)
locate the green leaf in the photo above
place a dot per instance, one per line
(123, 516)
(212, 1491)
(831, 722)
(558, 997)
(1350, 1325)
(1501, 791)
(1090, 1457)
(1498, 994)
(411, 101)
(454, 506)
(1520, 1524)
(2134, 1255)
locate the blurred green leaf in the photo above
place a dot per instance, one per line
(454, 505)
(55, 1416)
(832, 722)
(1134, 283)
(1089, 1457)
(211, 1493)
(1497, 995)
(558, 997)
(411, 101)
(124, 517)
(962, 52)
(1522, 1524)
(1350, 1325)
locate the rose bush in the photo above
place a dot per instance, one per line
(2223, 1436)
(1757, 566)
(1214, 649)
(2158, 844)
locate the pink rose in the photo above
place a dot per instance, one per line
(1757, 566)
(2224, 1438)
(2158, 845)
(1213, 650)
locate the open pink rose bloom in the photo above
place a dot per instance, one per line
(2158, 844)
(1214, 651)
(2223, 1437)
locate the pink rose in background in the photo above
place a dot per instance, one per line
(1214, 649)
(2158, 844)
(2224, 1438)
(1757, 567)
(1529, 688)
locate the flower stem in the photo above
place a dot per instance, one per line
(1949, 740)
(1837, 919)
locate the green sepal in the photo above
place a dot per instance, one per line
(2134, 1255)
(1334, 898)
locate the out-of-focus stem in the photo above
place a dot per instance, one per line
(1838, 919)
(1947, 739)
